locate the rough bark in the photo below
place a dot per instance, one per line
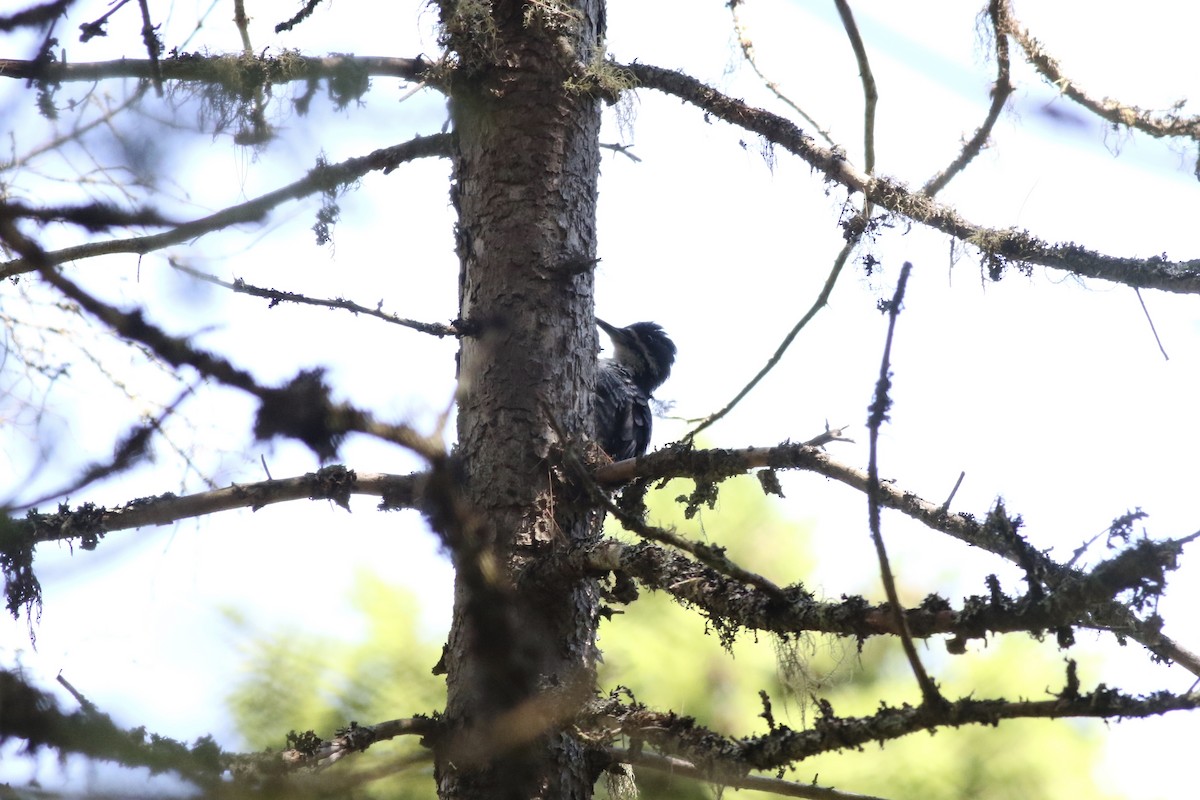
(520, 653)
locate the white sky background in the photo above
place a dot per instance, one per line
(1046, 390)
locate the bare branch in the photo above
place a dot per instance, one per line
(1000, 93)
(821, 301)
(153, 46)
(277, 296)
(95, 216)
(870, 94)
(878, 413)
(743, 36)
(999, 247)
(302, 409)
(322, 178)
(129, 450)
(1114, 111)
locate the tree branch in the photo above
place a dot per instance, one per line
(994, 534)
(870, 94)
(878, 413)
(322, 178)
(999, 247)
(819, 303)
(744, 42)
(277, 296)
(222, 70)
(1113, 111)
(1000, 94)
(89, 522)
(34, 716)
(673, 734)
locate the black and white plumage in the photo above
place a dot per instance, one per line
(642, 359)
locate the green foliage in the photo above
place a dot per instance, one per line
(296, 681)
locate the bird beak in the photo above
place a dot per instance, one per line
(611, 330)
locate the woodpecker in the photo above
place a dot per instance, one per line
(642, 359)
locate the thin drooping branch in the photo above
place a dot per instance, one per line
(820, 302)
(1000, 94)
(998, 246)
(277, 296)
(878, 414)
(322, 178)
(222, 70)
(1114, 111)
(128, 451)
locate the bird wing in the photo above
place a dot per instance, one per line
(623, 428)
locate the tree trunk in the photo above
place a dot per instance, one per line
(525, 176)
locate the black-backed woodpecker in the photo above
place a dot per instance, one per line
(642, 359)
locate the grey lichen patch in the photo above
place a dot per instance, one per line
(602, 78)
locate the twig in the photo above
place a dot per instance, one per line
(821, 301)
(277, 296)
(870, 93)
(623, 149)
(243, 25)
(87, 705)
(1114, 111)
(128, 451)
(304, 13)
(743, 37)
(875, 419)
(153, 45)
(1000, 93)
(1150, 320)
(949, 499)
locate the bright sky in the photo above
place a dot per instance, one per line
(1046, 390)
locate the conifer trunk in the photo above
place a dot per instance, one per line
(525, 175)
